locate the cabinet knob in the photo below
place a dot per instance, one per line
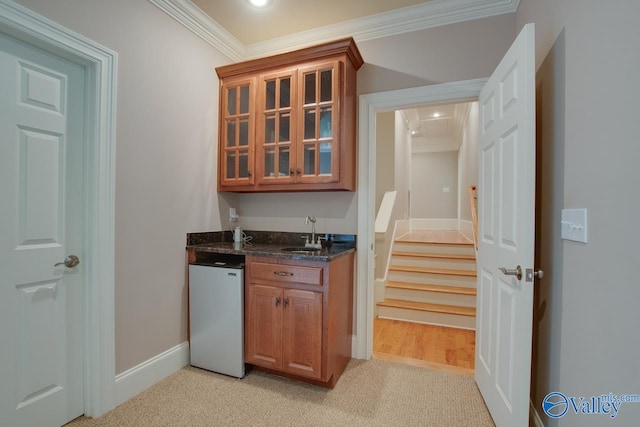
(298, 171)
(249, 174)
(277, 301)
(286, 302)
(291, 171)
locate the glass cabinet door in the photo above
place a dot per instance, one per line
(319, 95)
(276, 128)
(237, 135)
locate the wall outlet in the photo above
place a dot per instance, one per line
(233, 215)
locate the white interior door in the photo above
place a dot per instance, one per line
(506, 209)
(41, 151)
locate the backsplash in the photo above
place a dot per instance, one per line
(266, 237)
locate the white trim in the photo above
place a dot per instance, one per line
(369, 105)
(534, 416)
(412, 18)
(131, 382)
(466, 228)
(99, 212)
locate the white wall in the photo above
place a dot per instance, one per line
(468, 161)
(402, 176)
(586, 317)
(431, 173)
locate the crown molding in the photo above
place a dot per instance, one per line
(202, 25)
(413, 18)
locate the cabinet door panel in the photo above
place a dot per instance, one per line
(319, 123)
(275, 128)
(263, 326)
(302, 333)
(236, 133)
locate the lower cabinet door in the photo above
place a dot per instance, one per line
(263, 326)
(302, 333)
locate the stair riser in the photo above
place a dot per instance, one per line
(433, 248)
(431, 297)
(443, 263)
(440, 279)
(429, 317)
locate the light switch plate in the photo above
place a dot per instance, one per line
(573, 225)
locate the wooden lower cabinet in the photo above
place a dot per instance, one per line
(296, 327)
(302, 333)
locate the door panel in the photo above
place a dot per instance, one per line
(41, 152)
(506, 206)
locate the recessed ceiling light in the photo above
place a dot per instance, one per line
(435, 115)
(259, 3)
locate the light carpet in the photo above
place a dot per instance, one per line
(369, 393)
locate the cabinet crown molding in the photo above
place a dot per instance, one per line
(338, 47)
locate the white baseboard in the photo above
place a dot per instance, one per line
(466, 228)
(534, 416)
(131, 382)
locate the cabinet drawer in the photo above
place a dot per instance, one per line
(286, 273)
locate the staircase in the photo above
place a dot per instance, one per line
(431, 281)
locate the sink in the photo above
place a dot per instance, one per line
(300, 250)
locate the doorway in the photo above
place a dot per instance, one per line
(370, 105)
(425, 296)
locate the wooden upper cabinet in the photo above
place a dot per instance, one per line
(301, 121)
(236, 129)
(276, 128)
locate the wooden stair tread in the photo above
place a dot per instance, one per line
(429, 255)
(426, 306)
(411, 269)
(432, 242)
(460, 290)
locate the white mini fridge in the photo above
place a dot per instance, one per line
(216, 315)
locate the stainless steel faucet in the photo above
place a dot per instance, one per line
(313, 243)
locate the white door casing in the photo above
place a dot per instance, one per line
(506, 214)
(41, 158)
(98, 192)
(369, 105)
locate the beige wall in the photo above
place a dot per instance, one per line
(166, 147)
(430, 173)
(444, 54)
(586, 314)
(385, 155)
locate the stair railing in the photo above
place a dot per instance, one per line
(473, 202)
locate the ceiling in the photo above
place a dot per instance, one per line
(250, 24)
(436, 128)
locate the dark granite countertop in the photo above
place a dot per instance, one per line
(271, 244)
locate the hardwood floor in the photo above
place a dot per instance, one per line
(436, 347)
